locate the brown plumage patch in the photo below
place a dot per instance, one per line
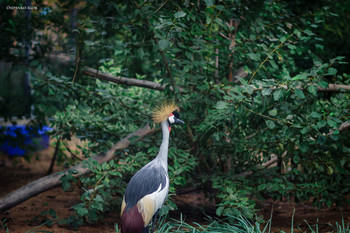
(132, 221)
(163, 111)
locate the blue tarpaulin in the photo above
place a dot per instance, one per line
(18, 140)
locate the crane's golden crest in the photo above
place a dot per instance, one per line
(163, 111)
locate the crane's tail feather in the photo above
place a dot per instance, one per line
(132, 221)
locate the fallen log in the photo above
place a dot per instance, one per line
(52, 181)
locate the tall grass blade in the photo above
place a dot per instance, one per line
(292, 230)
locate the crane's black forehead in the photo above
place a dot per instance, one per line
(176, 114)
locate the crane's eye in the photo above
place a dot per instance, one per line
(171, 119)
(176, 114)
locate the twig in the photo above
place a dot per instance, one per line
(54, 157)
(162, 54)
(267, 57)
(72, 154)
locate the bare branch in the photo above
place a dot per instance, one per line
(239, 73)
(122, 80)
(344, 126)
(334, 87)
(157, 86)
(330, 88)
(126, 81)
(52, 181)
(273, 160)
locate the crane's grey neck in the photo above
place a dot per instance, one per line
(163, 150)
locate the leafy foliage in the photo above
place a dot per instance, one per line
(252, 75)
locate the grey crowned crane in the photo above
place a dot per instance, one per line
(148, 188)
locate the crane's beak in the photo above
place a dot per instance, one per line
(178, 121)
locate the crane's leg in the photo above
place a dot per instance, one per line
(145, 229)
(154, 220)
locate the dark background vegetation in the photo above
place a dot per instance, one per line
(249, 77)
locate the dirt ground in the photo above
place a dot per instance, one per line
(26, 216)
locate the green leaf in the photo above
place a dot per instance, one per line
(273, 64)
(273, 112)
(312, 89)
(289, 117)
(299, 93)
(301, 76)
(308, 32)
(90, 30)
(163, 44)
(209, 2)
(254, 56)
(221, 105)
(248, 89)
(332, 71)
(81, 211)
(316, 115)
(304, 130)
(270, 124)
(321, 124)
(89, 42)
(322, 84)
(296, 159)
(320, 47)
(332, 123)
(266, 91)
(283, 39)
(180, 14)
(219, 210)
(277, 94)
(304, 147)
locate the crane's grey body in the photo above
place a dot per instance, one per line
(149, 179)
(147, 190)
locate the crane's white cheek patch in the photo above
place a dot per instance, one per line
(171, 119)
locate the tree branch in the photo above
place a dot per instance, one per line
(157, 86)
(126, 81)
(344, 126)
(122, 80)
(264, 165)
(331, 87)
(52, 181)
(334, 87)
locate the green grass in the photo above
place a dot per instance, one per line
(337, 228)
(232, 224)
(240, 224)
(3, 225)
